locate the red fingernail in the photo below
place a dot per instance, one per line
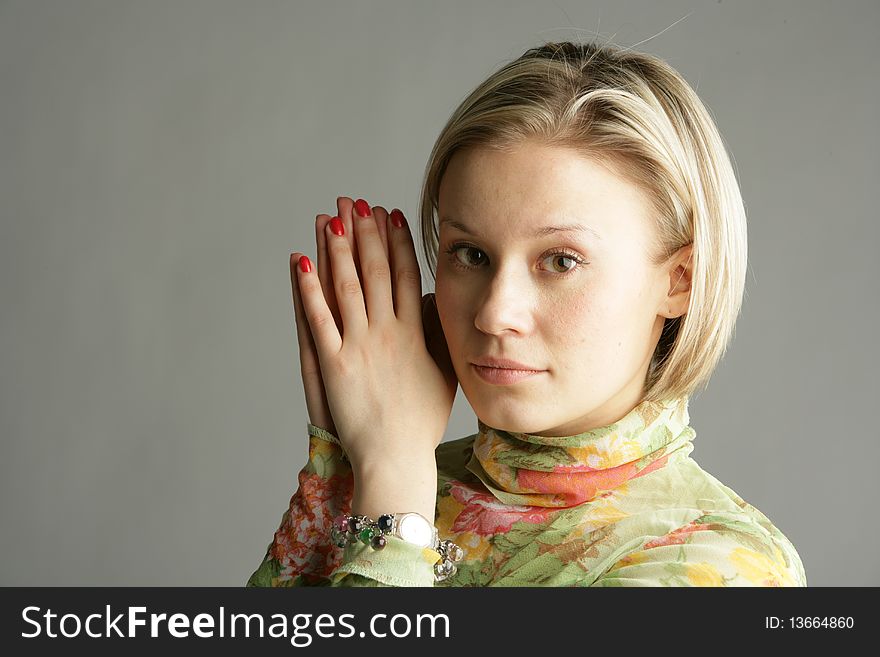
(362, 208)
(397, 218)
(336, 226)
(305, 264)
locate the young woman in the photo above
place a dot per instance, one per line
(589, 242)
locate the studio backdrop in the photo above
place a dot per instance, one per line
(160, 160)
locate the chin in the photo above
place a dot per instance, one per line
(513, 408)
(507, 414)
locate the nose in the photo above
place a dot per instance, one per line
(505, 305)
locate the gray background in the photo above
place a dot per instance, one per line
(160, 160)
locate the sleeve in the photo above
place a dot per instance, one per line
(302, 553)
(721, 549)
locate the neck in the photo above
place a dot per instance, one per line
(568, 469)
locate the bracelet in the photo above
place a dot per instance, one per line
(349, 529)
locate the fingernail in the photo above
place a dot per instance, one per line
(397, 218)
(336, 226)
(362, 208)
(305, 264)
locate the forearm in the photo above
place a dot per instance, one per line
(298, 554)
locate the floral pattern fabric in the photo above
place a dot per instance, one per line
(622, 505)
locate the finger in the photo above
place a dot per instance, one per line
(435, 339)
(345, 208)
(325, 335)
(313, 383)
(347, 285)
(381, 215)
(325, 272)
(303, 334)
(405, 271)
(375, 268)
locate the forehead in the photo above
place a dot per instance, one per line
(536, 187)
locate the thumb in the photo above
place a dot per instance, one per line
(435, 339)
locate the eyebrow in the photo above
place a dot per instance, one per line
(541, 232)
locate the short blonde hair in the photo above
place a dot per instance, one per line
(635, 113)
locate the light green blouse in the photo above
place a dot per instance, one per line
(622, 505)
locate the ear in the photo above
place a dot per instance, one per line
(679, 295)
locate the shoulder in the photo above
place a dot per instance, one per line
(452, 457)
(458, 446)
(727, 542)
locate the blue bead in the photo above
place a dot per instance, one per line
(384, 523)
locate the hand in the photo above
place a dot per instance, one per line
(316, 398)
(313, 384)
(389, 400)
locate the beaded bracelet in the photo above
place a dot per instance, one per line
(348, 529)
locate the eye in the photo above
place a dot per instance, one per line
(560, 256)
(455, 249)
(562, 261)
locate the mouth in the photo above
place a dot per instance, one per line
(503, 375)
(504, 364)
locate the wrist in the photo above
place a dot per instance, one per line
(389, 466)
(410, 527)
(385, 487)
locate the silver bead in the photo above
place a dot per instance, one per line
(444, 570)
(339, 539)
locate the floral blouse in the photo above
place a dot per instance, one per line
(621, 505)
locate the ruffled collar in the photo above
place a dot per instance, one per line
(563, 471)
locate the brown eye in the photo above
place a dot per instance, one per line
(558, 258)
(457, 249)
(470, 250)
(568, 262)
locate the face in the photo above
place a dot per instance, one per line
(582, 310)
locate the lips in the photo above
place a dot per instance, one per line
(503, 376)
(504, 371)
(504, 364)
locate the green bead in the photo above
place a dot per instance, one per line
(366, 535)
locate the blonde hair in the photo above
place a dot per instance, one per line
(635, 113)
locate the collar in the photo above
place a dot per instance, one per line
(563, 471)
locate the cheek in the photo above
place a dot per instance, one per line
(589, 327)
(574, 326)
